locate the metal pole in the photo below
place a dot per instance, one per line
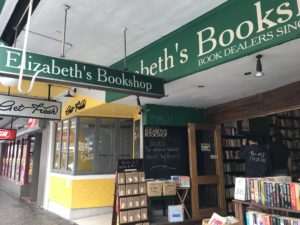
(125, 53)
(64, 34)
(49, 91)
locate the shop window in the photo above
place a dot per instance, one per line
(86, 143)
(57, 146)
(72, 139)
(64, 145)
(90, 145)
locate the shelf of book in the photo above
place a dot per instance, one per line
(233, 165)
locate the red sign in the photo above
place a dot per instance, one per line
(8, 134)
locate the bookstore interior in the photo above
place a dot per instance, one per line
(275, 198)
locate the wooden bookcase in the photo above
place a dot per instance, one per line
(288, 124)
(130, 203)
(233, 165)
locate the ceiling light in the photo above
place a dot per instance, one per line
(8, 82)
(259, 72)
(200, 86)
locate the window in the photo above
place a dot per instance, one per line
(86, 143)
(90, 145)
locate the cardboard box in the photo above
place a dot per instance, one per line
(129, 179)
(130, 203)
(123, 203)
(121, 178)
(137, 215)
(154, 188)
(144, 214)
(136, 202)
(169, 187)
(143, 201)
(175, 213)
(141, 176)
(142, 188)
(129, 190)
(123, 217)
(135, 177)
(135, 189)
(122, 190)
(130, 216)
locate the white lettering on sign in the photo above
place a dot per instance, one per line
(207, 41)
(4, 134)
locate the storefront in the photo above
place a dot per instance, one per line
(203, 54)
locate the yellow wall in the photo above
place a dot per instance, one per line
(85, 193)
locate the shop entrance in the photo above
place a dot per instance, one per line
(206, 170)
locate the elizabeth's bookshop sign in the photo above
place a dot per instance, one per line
(57, 70)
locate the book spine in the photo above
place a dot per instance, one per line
(277, 194)
(259, 191)
(282, 197)
(288, 192)
(285, 196)
(297, 196)
(272, 193)
(293, 196)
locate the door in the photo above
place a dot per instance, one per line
(206, 170)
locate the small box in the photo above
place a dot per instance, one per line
(169, 187)
(129, 189)
(130, 216)
(141, 176)
(122, 190)
(144, 214)
(135, 177)
(175, 213)
(136, 202)
(130, 203)
(135, 189)
(129, 179)
(123, 217)
(137, 215)
(142, 188)
(123, 203)
(143, 200)
(121, 178)
(154, 188)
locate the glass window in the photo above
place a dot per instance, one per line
(106, 146)
(72, 139)
(57, 146)
(86, 143)
(64, 145)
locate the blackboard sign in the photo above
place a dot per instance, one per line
(165, 151)
(130, 164)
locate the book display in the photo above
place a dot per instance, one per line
(233, 165)
(130, 204)
(273, 195)
(287, 124)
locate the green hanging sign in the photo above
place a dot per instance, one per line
(62, 71)
(234, 29)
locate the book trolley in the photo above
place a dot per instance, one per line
(130, 202)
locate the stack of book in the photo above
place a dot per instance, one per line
(269, 191)
(254, 217)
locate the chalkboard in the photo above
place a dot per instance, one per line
(165, 151)
(130, 164)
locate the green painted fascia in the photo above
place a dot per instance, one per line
(162, 115)
(2, 2)
(229, 15)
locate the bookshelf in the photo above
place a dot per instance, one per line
(233, 165)
(288, 125)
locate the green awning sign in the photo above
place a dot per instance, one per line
(67, 72)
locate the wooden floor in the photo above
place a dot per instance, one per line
(163, 220)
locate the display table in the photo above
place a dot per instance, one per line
(182, 193)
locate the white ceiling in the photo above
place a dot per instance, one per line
(95, 35)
